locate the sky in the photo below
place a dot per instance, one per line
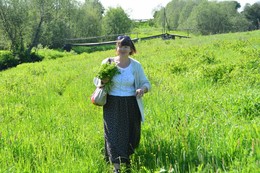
(143, 9)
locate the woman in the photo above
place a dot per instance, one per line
(123, 111)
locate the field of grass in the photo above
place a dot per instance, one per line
(202, 114)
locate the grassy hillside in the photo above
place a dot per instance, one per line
(201, 116)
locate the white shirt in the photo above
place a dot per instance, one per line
(123, 83)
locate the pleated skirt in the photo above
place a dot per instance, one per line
(122, 128)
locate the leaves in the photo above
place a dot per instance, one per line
(107, 72)
(207, 17)
(116, 21)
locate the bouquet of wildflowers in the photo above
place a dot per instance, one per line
(106, 72)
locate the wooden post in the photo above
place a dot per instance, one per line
(164, 21)
(258, 23)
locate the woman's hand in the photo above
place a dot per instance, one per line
(139, 92)
(104, 81)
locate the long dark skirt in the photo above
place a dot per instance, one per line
(122, 127)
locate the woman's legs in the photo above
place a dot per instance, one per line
(122, 126)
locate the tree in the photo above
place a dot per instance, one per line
(236, 21)
(216, 17)
(30, 22)
(252, 13)
(185, 13)
(159, 17)
(89, 19)
(116, 21)
(21, 21)
(72, 19)
(173, 11)
(14, 16)
(59, 23)
(39, 9)
(202, 16)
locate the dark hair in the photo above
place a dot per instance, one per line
(126, 41)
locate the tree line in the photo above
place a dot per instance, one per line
(24, 24)
(208, 17)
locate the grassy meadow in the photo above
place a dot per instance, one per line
(202, 114)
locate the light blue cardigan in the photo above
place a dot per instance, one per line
(140, 81)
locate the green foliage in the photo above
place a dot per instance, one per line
(14, 16)
(204, 17)
(49, 54)
(28, 23)
(173, 11)
(54, 33)
(116, 21)
(213, 18)
(217, 73)
(185, 14)
(32, 57)
(143, 24)
(252, 13)
(106, 72)
(7, 60)
(82, 49)
(87, 21)
(202, 114)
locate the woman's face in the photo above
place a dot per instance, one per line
(123, 50)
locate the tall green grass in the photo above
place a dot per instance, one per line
(201, 116)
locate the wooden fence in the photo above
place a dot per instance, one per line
(68, 46)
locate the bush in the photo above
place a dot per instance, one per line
(50, 54)
(35, 57)
(218, 73)
(82, 49)
(7, 60)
